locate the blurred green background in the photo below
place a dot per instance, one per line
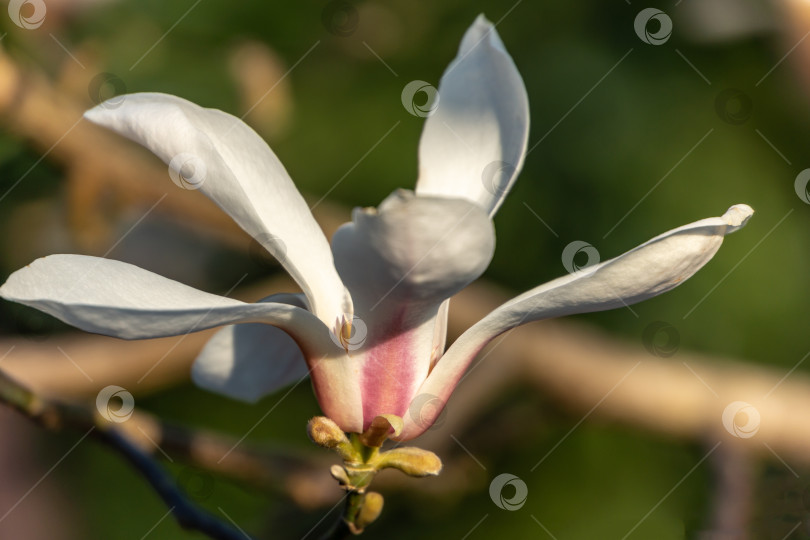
(619, 124)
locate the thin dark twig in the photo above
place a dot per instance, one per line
(55, 415)
(187, 514)
(340, 530)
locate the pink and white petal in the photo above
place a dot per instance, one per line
(650, 269)
(251, 360)
(223, 157)
(122, 300)
(337, 382)
(474, 144)
(440, 333)
(401, 262)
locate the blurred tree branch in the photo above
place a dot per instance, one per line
(55, 416)
(682, 396)
(733, 492)
(579, 367)
(98, 162)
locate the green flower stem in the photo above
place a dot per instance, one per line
(367, 454)
(354, 503)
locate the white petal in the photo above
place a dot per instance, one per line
(421, 247)
(440, 333)
(119, 299)
(249, 361)
(401, 262)
(650, 269)
(474, 144)
(233, 166)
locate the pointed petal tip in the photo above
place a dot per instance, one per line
(480, 29)
(737, 216)
(482, 20)
(97, 114)
(10, 289)
(90, 114)
(475, 147)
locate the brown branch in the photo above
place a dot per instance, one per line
(574, 364)
(260, 467)
(578, 366)
(78, 365)
(97, 161)
(733, 493)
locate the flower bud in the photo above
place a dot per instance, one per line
(324, 432)
(370, 511)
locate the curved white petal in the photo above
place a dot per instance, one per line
(646, 271)
(401, 262)
(249, 361)
(474, 144)
(440, 333)
(223, 157)
(122, 300)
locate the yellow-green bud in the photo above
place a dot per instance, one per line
(324, 432)
(411, 460)
(370, 511)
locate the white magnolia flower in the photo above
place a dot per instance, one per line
(371, 324)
